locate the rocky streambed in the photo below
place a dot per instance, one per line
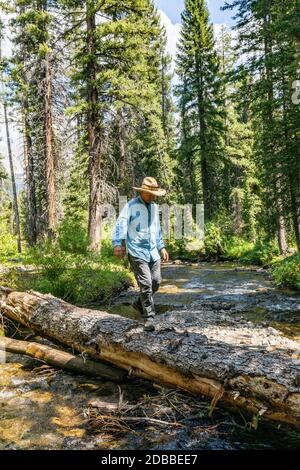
(42, 408)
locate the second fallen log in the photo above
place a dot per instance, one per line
(62, 359)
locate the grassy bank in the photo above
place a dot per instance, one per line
(65, 269)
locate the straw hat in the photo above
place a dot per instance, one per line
(150, 185)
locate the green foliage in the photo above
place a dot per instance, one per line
(201, 125)
(287, 272)
(234, 248)
(229, 247)
(34, 70)
(72, 237)
(180, 249)
(44, 49)
(8, 243)
(67, 270)
(262, 253)
(267, 78)
(126, 66)
(212, 240)
(52, 261)
(3, 175)
(85, 284)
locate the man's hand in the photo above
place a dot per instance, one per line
(119, 251)
(165, 255)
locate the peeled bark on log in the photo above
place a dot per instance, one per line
(61, 359)
(206, 360)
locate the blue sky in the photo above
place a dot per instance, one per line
(173, 9)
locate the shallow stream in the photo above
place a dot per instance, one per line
(41, 408)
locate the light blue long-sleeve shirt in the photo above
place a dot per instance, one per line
(139, 226)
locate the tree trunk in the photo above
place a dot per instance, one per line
(281, 231)
(269, 116)
(31, 209)
(295, 206)
(94, 136)
(49, 149)
(205, 176)
(13, 181)
(61, 359)
(29, 179)
(121, 141)
(189, 169)
(221, 362)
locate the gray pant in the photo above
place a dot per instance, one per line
(148, 277)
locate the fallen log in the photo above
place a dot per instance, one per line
(61, 359)
(205, 359)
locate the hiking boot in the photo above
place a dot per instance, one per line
(149, 324)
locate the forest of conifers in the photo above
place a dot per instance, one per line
(91, 90)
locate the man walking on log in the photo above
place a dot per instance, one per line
(138, 230)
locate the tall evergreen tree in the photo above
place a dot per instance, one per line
(17, 225)
(199, 90)
(35, 90)
(117, 97)
(268, 40)
(239, 182)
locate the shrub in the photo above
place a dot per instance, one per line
(212, 240)
(75, 277)
(72, 236)
(262, 253)
(183, 248)
(85, 285)
(234, 248)
(287, 272)
(8, 243)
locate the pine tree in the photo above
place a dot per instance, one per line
(116, 79)
(239, 182)
(36, 93)
(167, 104)
(9, 149)
(268, 38)
(200, 97)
